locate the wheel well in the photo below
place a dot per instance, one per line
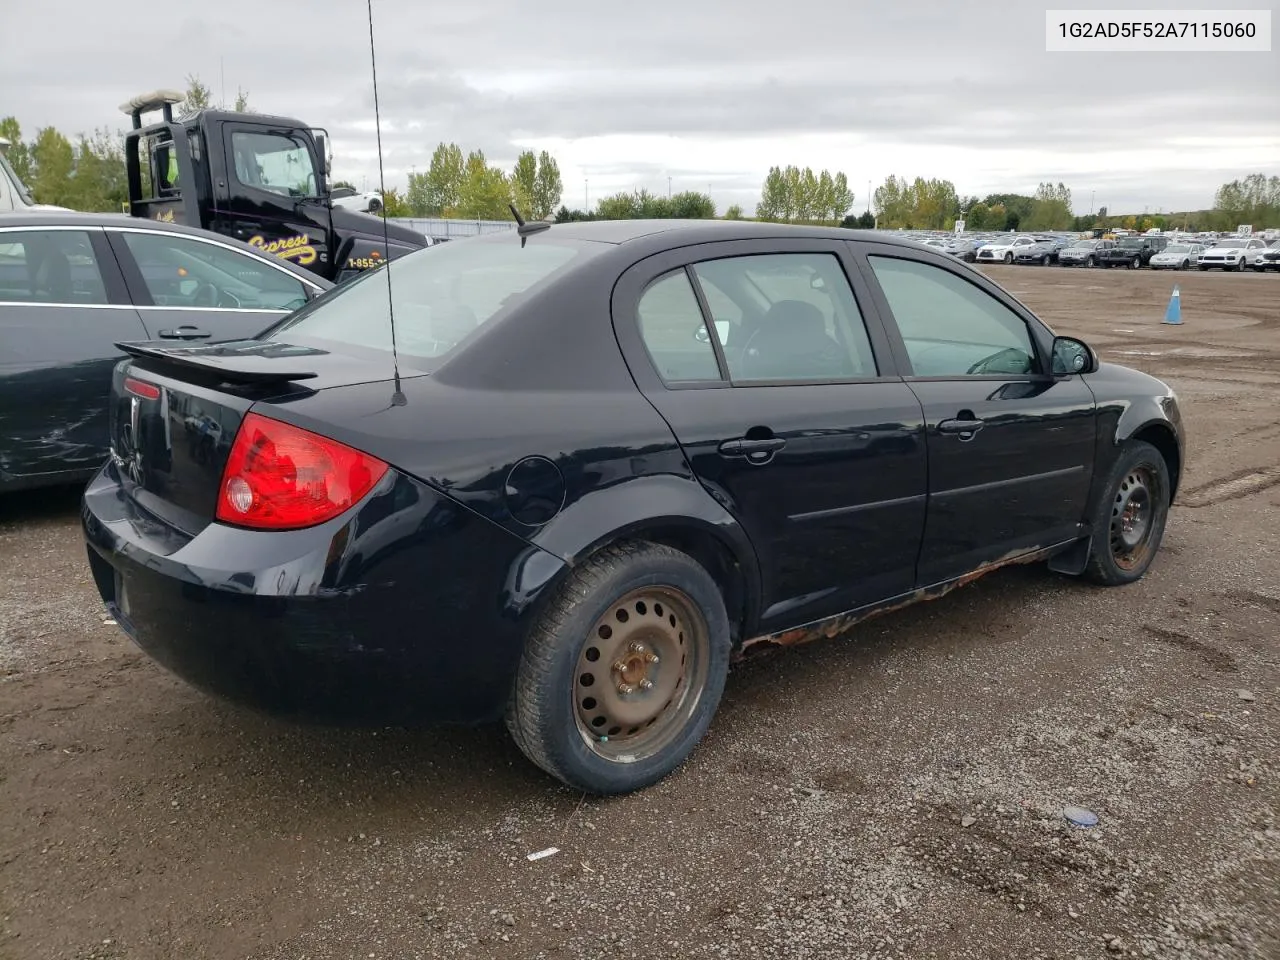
(714, 556)
(1161, 437)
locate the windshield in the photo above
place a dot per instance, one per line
(1131, 243)
(441, 295)
(1232, 242)
(1085, 244)
(1178, 248)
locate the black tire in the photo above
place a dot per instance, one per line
(1090, 261)
(1008, 258)
(1135, 263)
(1203, 268)
(544, 715)
(1117, 554)
(1044, 261)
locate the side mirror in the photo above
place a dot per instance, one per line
(1071, 356)
(323, 147)
(337, 193)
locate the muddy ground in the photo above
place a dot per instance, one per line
(894, 793)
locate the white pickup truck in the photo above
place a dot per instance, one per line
(14, 195)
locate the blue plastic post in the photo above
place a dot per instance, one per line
(1173, 313)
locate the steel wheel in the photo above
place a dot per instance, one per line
(1133, 516)
(640, 673)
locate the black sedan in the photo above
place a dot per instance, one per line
(589, 464)
(72, 285)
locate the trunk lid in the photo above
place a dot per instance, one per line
(175, 411)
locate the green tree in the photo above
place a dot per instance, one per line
(773, 196)
(199, 97)
(978, 216)
(99, 181)
(486, 192)
(893, 202)
(524, 181)
(1255, 200)
(438, 192)
(734, 212)
(1050, 208)
(394, 205)
(548, 187)
(866, 220)
(619, 206)
(841, 196)
(19, 155)
(53, 161)
(691, 205)
(1017, 208)
(242, 101)
(998, 218)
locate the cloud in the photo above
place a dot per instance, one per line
(704, 93)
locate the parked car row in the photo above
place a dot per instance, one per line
(1157, 251)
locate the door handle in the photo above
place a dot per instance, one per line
(186, 332)
(964, 428)
(752, 449)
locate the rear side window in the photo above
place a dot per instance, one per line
(674, 332)
(441, 294)
(179, 271)
(50, 266)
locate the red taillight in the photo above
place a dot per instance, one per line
(140, 388)
(281, 477)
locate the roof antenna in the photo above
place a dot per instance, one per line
(526, 230)
(398, 398)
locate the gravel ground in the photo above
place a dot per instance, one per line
(897, 796)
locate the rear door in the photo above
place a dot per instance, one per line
(1010, 445)
(63, 306)
(789, 411)
(196, 288)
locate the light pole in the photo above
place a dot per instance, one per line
(668, 188)
(586, 195)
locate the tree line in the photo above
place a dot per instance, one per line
(87, 172)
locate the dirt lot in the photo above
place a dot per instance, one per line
(895, 793)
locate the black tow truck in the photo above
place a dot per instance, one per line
(259, 179)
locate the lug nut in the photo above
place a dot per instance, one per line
(651, 657)
(619, 666)
(626, 688)
(646, 684)
(637, 647)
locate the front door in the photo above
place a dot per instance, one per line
(272, 195)
(1011, 447)
(192, 288)
(788, 415)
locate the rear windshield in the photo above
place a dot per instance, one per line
(441, 294)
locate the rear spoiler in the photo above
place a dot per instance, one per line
(235, 361)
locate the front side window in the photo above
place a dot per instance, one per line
(179, 271)
(796, 318)
(49, 266)
(951, 327)
(279, 162)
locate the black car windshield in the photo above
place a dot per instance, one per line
(441, 294)
(1131, 243)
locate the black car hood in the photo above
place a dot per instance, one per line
(353, 223)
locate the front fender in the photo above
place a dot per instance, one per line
(1134, 405)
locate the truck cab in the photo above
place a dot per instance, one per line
(259, 179)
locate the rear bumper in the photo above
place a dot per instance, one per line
(407, 609)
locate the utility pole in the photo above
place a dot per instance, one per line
(668, 188)
(868, 196)
(586, 196)
(1091, 195)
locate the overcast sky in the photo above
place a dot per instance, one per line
(710, 93)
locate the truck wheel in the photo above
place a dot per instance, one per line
(622, 673)
(1135, 263)
(1130, 516)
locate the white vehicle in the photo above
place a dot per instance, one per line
(14, 195)
(363, 202)
(1178, 256)
(1005, 249)
(1234, 253)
